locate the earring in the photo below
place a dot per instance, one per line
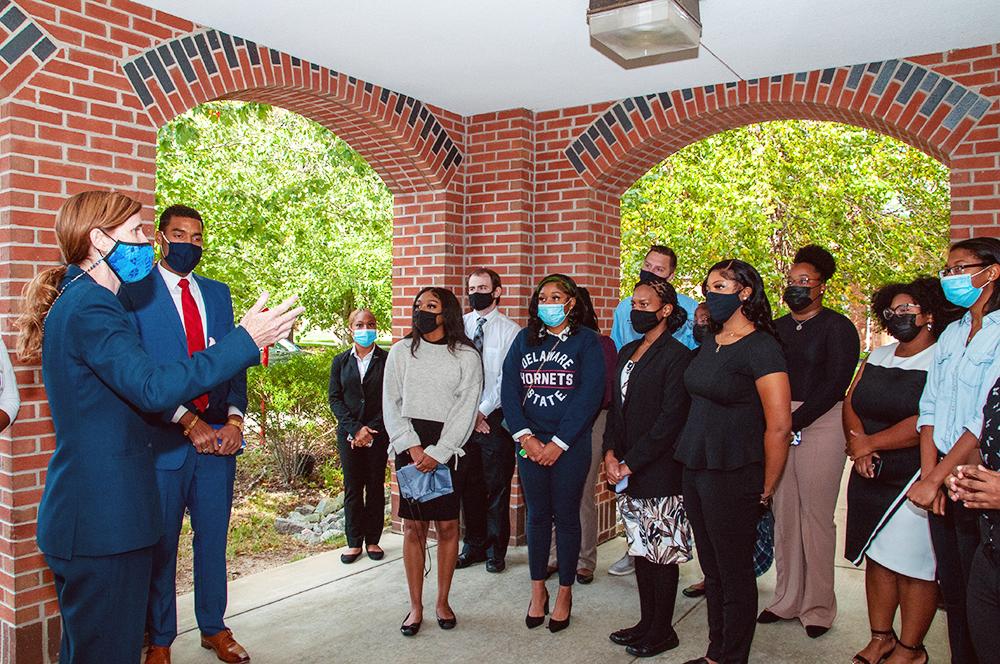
(930, 326)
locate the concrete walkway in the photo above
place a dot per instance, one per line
(320, 611)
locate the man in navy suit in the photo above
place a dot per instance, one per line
(179, 313)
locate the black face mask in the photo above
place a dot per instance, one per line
(904, 327)
(425, 321)
(722, 306)
(480, 301)
(798, 298)
(700, 332)
(646, 275)
(643, 321)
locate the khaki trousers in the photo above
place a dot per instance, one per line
(588, 506)
(805, 537)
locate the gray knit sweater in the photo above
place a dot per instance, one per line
(436, 385)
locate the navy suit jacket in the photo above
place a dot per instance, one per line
(100, 495)
(162, 333)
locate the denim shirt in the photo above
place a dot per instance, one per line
(622, 332)
(959, 381)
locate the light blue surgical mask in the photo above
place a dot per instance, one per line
(552, 314)
(958, 289)
(130, 261)
(365, 338)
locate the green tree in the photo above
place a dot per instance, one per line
(288, 208)
(761, 191)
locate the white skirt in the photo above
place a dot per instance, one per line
(904, 544)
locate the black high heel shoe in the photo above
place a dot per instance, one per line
(411, 629)
(530, 621)
(920, 649)
(560, 625)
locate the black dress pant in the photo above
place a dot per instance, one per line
(724, 507)
(984, 603)
(956, 537)
(364, 490)
(489, 464)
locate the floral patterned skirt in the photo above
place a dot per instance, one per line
(657, 528)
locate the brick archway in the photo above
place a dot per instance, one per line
(409, 144)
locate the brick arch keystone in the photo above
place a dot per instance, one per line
(903, 99)
(398, 135)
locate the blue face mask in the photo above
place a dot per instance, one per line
(552, 314)
(365, 338)
(958, 289)
(183, 256)
(130, 261)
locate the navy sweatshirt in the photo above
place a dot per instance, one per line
(553, 389)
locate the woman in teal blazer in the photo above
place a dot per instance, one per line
(99, 515)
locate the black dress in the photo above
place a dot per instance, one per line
(887, 393)
(442, 508)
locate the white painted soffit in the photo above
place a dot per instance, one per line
(473, 56)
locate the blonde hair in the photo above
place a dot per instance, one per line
(79, 215)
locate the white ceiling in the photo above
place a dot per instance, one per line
(474, 56)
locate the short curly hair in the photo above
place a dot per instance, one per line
(819, 258)
(925, 291)
(668, 295)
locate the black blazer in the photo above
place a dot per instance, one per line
(357, 404)
(644, 429)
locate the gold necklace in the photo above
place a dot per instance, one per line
(718, 346)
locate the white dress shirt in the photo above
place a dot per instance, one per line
(363, 362)
(173, 284)
(10, 400)
(498, 335)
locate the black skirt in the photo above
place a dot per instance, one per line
(443, 508)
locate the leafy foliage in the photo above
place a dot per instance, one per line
(288, 207)
(762, 191)
(297, 421)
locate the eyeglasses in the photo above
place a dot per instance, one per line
(901, 310)
(958, 269)
(803, 281)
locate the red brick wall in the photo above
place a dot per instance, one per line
(528, 193)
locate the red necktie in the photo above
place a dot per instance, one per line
(193, 331)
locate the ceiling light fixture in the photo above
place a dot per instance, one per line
(638, 33)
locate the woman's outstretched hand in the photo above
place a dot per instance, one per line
(266, 326)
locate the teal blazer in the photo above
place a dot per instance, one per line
(100, 495)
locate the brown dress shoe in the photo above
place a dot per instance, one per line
(225, 646)
(158, 655)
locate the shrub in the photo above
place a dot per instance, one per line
(297, 424)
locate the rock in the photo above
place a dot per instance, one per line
(288, 526)
(311, 518)
(325, 507)
(331, 535)
(338, 502)
(307, 537)
(305, 509)
(297, 516)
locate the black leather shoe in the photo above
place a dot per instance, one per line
(694, 590)
(654, 649)
(376, 555)
(815, 631)
(766, 617)
(411, 629)
(585, 579)
(700, 660)
(468, 559)
(627, 637)
(495, 566)
(447, 623)
(348, 558)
